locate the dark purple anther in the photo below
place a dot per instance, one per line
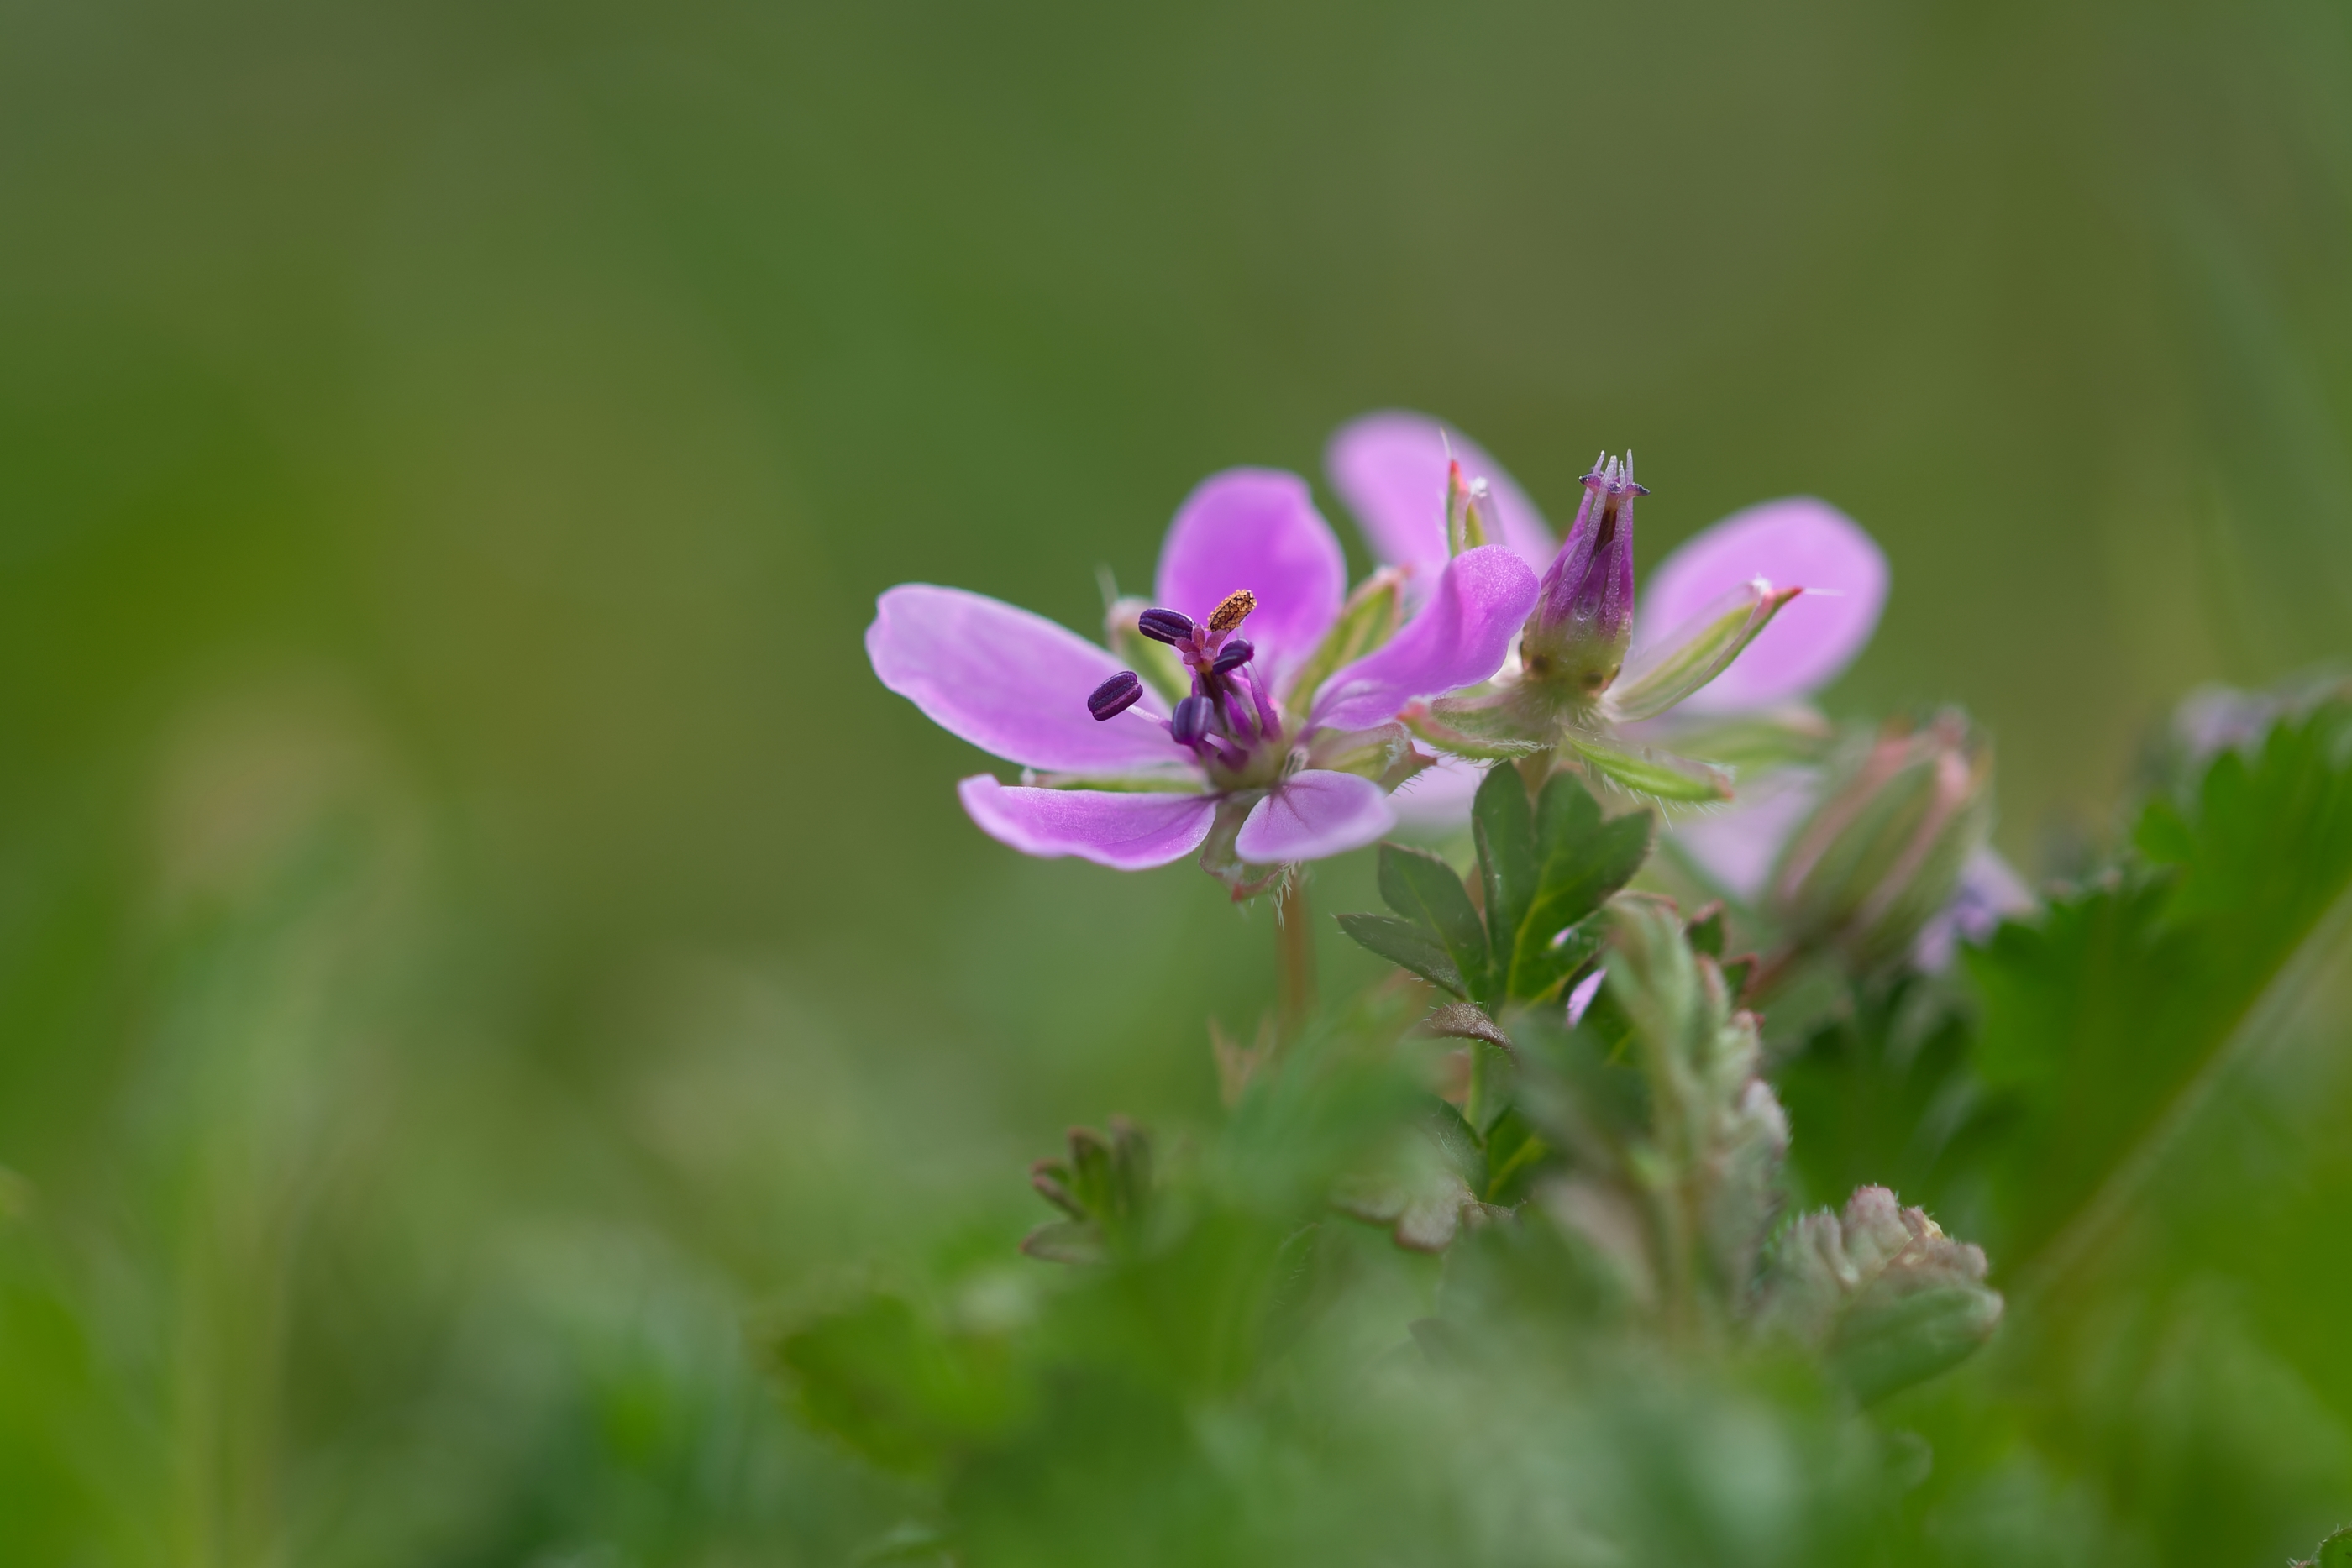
(1165, 625)
(1233, 656)
(1115, 695)
(1191, 724)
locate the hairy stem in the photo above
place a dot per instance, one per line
(1295, 946)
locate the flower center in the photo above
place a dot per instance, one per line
(1231, 725)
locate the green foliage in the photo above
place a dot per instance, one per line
(1104, 1186)
(2108, 1017)
(1544, 867)
(2336, 1551)
(899, 1387)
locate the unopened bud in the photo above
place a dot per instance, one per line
(1470, 519)
(1583, 617)
(1884, 850)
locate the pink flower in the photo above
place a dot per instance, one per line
(1398, 471)
(1251, 579)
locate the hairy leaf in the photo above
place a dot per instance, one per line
(1408, 946)
(1424, 889)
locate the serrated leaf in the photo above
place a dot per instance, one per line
(1424, 889)
(1406, 945)
(2107, 1020)
(1654, 774)
(1063, 1241)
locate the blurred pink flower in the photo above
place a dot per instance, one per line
(1284, 784)
(1391, 469)
(1394, 470)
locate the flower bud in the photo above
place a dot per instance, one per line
(1470, 517)
(1584, 613)
(1884, 850)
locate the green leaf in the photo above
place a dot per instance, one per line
(1503, 825)
(1514, 1154)
(1581, 859)
(1655, 774)
(892, 1384)
(1405, 943)
(2107, 1022)
(1424, 889)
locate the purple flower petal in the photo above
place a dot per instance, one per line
(1007, 681)
(1124, 831)
(1312, 814)
(1457, 638)
(1800, 541)
(1737, 844)
(1390, 468)
(1256, 529)
(1580, 1000)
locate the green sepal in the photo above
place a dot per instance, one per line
(1406, 945)
(1366, 621)
(1485, 729)
(1704, 655)
(1650, 773)
(1758, 742)
(1220, 852)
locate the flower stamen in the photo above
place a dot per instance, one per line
(1115, 695)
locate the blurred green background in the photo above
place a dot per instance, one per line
(459, 882)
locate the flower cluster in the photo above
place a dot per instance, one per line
(1258, 713)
